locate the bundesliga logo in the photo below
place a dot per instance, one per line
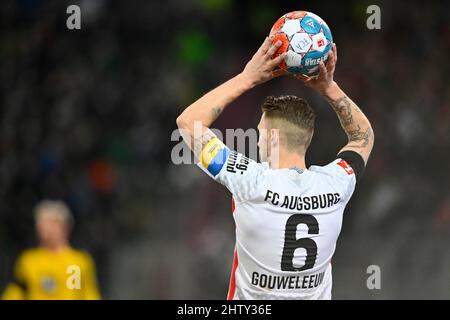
(345, 166)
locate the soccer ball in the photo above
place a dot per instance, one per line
(305, 37)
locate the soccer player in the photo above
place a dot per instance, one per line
(54, 270)
(288, 217)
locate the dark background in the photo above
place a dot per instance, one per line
(87, 115)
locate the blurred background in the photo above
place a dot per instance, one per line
(87, 116)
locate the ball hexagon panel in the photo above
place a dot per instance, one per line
(316, 17)
(310, 24)
(301, 42)
(290, 27)
(293, 59)
(319, 42)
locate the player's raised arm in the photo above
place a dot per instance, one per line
(354, 122)
(203, 112)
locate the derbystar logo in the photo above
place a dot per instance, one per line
(310, 23)
(312, 62)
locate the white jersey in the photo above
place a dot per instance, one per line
(287, 223)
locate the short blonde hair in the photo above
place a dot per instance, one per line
(55, 208)
(294, 118)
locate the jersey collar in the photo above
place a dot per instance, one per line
(299, 170)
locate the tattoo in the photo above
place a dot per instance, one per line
(216, 112)
(359, 135)
(343, 108)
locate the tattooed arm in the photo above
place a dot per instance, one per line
(195, 120)
(354, 122)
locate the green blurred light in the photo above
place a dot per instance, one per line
(216, 5)
(358, 11)
(194, 48)
(117, 149)
(262, 19)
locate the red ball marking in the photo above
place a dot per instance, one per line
(277, 26)
(283, 48)
(283, 65)
(296, 14)
(284, 42)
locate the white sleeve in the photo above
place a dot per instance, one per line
(241, 175)
(342, 176)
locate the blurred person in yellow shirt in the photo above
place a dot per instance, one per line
(54, 270)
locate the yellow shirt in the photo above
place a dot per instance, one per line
(48, 275)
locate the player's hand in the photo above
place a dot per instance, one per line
(262, 67)
(324, 80)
